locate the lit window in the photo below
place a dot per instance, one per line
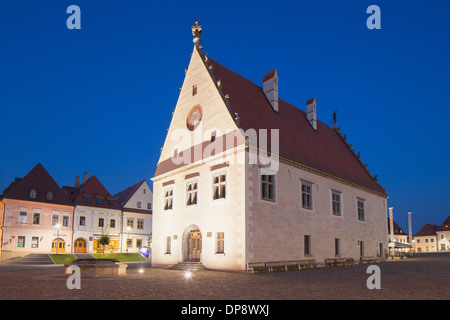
(101, 222)
(220, 242)
(36, 218)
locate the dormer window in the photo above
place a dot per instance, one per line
(49, 196)
(99, 201)
(87, 199)
(33, 194)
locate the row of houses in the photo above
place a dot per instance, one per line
(430, 238)
(37, 215)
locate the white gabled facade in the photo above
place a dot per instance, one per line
(209, 204)
(137, 219)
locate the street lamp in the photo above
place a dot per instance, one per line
(57, 237)
(128, 228)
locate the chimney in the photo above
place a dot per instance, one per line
(77, 181)
(84, 177)
(270, 88)
(311, 113)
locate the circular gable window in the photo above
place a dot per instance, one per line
(194, 117)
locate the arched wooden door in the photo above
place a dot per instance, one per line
(194, 245)
(79, 246)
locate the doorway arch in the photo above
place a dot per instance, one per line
(58, 246)
(80, 246)
(192, 244)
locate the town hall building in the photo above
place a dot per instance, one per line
(244, 177)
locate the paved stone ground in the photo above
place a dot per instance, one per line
(421, 278)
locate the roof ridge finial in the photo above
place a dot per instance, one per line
(196, 32)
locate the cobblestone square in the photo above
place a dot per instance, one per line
(425, 277)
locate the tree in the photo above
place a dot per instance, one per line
(104, 241)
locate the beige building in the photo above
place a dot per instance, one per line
(35, 216)
(425, 240)
(246, 177)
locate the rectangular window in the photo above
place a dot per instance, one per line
(307, 195)
(168, 199)
(138, 243)
(129, 243)
(219, 186)
(138, 204)
(101, 222)
(191, 193)
(268, 187)
(87, 199)
(168, 240)
(337, 247)
(55, 220)
(112, 223)
(220, 242)
(194, 89)
(65, 221)
(140, 223)
(361, 210)
(82, 221)
(149, 205)
(130, 223)
(22, 217)
(99, 201)
(21, 242)
(336, 199)
(36, 218)
(307, 245)
(35, 242)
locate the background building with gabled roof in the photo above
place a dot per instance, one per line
(35, 215)
(136, 203)
(96, 213)
(425, 240)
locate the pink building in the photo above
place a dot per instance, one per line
(36, 216)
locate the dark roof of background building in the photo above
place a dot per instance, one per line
(41, 181)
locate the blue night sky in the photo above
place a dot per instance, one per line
(100, 99)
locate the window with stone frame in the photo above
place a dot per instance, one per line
(168, 199)
(191, 193)
(268, 187)
(219, 186)
(307, 195)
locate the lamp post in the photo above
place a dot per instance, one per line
(128, 228)
(57, 237)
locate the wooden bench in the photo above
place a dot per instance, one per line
(367, 260)
(276, 265)
(345, 262)
(256, 266)
(330, 262)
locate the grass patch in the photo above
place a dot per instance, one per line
(120, 256)
(62, 258)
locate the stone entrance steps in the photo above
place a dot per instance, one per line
(188, 266)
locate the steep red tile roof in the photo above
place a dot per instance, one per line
(94, 189)
(397, 229)
(427, 230)
(41, 181)
(445, 226)
(123, 196)
(324, 149)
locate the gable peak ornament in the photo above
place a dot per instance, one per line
(196, 32)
